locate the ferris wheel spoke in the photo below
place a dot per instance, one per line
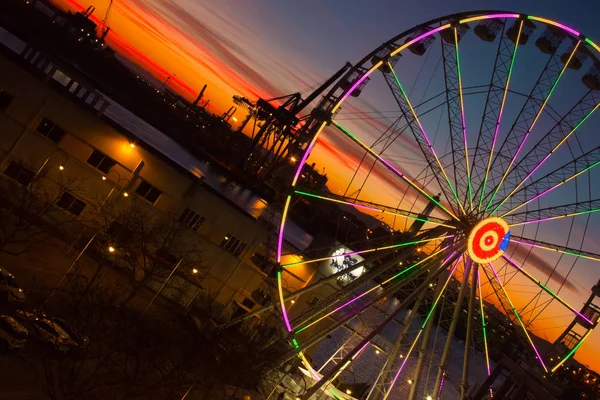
(551, 181)
(552, 213)
(371, 206)
(395, 170)
(374, 332)
(483, 324)
(555, 248)
(413, 122)
(552, 141)
(456, 114)
(545, 288)
(352, 253)
(374, 288)
(493, 110)
(423, 326)
(504, 293)
(527, 118)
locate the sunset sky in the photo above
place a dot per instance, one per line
(269, 48)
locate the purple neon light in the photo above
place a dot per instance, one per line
(515, 311)
(514, 264)
(548, 21)
(369, 72)
(426, 320)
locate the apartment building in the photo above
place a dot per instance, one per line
(52, 120)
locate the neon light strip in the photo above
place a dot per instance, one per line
(594, 45)
(429, 144)
(548, 190)
(529, 131)
(489, 164)
(433, 307)
(307, 153)
(282, 304)
(367, 251)
(572, 352)
(569, 253)
(464, 121)
(483, 326)
(547, 289)
(547, 21)
(555, 217)
(371, 290)
(490, 16)
(391, 167)
(380, 63)
(548, 155)
(370, 208)
(518, 318)
(283, 219)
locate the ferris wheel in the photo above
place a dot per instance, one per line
(460, 222)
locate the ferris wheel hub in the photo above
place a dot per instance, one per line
(488, 240)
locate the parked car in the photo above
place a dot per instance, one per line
(44, 331)
(9, 288)
(13, 334)
(81, 339)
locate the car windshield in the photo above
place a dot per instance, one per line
(12, 282)
(10, 329)
(47, 326)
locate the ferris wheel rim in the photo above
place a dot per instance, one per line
(472, 16)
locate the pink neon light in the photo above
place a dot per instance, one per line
(525, 329)
(566, 28)
(514, 264)
(502, 16)
(281, 228)
(423, 326)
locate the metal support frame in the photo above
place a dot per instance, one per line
(420, 136)
(464, 384)
(551, 180)
(385, 376)
(442, 368)
(456, 116)
(519, 131)
(492, 112)
(327, 377)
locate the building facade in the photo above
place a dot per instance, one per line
(52, 124)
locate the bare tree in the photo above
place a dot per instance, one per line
(28, 205)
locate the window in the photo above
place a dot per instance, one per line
(19, 173)
(191, 219)
(166, 257)
(71, 204)
(148, 192)
(5, 99)
(233, 245)
(50, 130)
(119, 233)
(101, 161)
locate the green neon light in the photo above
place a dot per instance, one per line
(424, 134)
(547, 190)
(295, 343)
(555, 217)
(358, 205)
(464, 122)
(387, 164)
(529, 130)
(483, 325)
(372, 289)
(572, 352)
(489, 165)
(393, 246)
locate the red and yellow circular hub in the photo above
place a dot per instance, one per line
(488, 240)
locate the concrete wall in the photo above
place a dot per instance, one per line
(227, 278)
